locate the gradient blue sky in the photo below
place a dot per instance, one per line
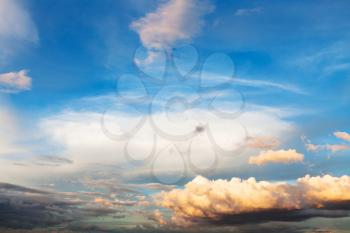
(289, 59)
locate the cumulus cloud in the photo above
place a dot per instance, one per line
(15, 81)
(342, 135)
(280, 156)
(76, 134)
(204, 200)
(81, 136)
(173, 21)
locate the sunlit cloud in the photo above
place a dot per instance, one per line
(279, 156)
(204, 200)
(263, 142)
(342, 135)
(333, 148)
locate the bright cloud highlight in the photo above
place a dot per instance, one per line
(212, 200)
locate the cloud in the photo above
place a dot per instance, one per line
(16, 25)
(9, 133)
(248, 11)
(280, 156)
(16, 22)
(263, 142)
(80, 135)
(342, 135)
(27, 208)
(45, 160)
(237, 200)
(13, 82)
(158, 217)
(76, 134)
(330, 147)
(172, 22)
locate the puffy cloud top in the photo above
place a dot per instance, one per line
(206, 199)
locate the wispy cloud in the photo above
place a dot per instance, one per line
(213, 77)
(16, 22)
(16, 25)
(270, 84)
(330, 147)
(248, 11)
(173, 21)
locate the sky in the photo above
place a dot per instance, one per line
(174, 116)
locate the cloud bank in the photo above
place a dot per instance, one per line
(203, 200)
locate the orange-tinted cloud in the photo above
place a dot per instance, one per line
(280, 156)
(211, 200)
(263, 142)
(342, 135)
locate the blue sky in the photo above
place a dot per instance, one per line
(145, 92)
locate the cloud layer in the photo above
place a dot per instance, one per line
(213, 201)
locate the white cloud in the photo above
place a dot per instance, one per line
(173, 21)
(342, 135)
(80, 136)
(280, 156)
(212, 199)
(77, 135)
(15, 81)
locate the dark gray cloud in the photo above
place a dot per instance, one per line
(26, 208)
